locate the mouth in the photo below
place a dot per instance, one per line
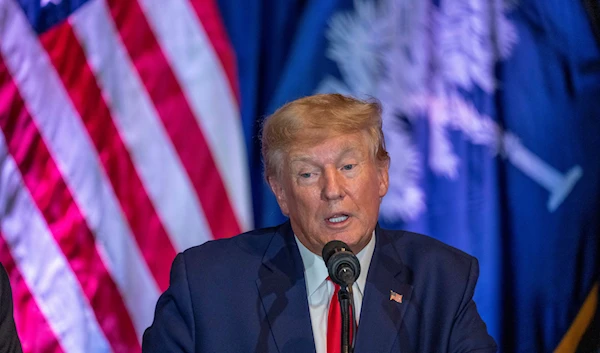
(337, 219)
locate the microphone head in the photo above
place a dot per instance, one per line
(343, 266)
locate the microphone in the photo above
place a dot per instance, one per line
(342, 264)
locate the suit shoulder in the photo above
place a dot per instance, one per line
(249, 244)
(423, 249)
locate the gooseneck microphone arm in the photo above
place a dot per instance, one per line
(344, 299)
(344, 268)
(354, 325)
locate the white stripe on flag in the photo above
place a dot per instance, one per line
(205, 85)
(76, 158)
(43, 266)
(152, 152)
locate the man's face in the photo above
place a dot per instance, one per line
(332, 191)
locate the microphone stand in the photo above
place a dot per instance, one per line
(345, 298)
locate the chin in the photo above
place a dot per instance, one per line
(350, 240)
(356, 243)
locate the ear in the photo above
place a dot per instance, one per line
(384, 177)
(277, 189)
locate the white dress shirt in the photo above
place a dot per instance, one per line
(320, 291)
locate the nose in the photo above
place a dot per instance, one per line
(333, 187)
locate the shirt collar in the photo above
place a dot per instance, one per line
(315, 271)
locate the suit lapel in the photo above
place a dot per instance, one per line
(282, 290)
(381, 317)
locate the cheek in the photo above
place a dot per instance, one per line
(368, 187)
(370, 197)
(303, 202)
(309, 204)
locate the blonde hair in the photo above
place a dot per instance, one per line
(309, 120)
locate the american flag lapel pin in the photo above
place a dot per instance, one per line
(395, 297)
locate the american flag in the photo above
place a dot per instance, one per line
(395, 297)
(121, 144)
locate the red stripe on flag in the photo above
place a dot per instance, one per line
(176, 115)
(68, 58)
(64, 219)
(208, 14)
(32, 327)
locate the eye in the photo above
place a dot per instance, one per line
(348, 167)
(305, 175)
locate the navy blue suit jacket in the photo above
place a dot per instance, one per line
(248, 294)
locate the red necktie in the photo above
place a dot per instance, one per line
(334, 322)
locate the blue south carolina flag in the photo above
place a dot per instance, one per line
(492, 120)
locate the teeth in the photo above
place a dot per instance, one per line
(338, 219)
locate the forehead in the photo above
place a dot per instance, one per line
(332, 147)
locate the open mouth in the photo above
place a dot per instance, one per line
(337, 218)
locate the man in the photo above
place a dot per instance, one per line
(9, 340)
(267, 290)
